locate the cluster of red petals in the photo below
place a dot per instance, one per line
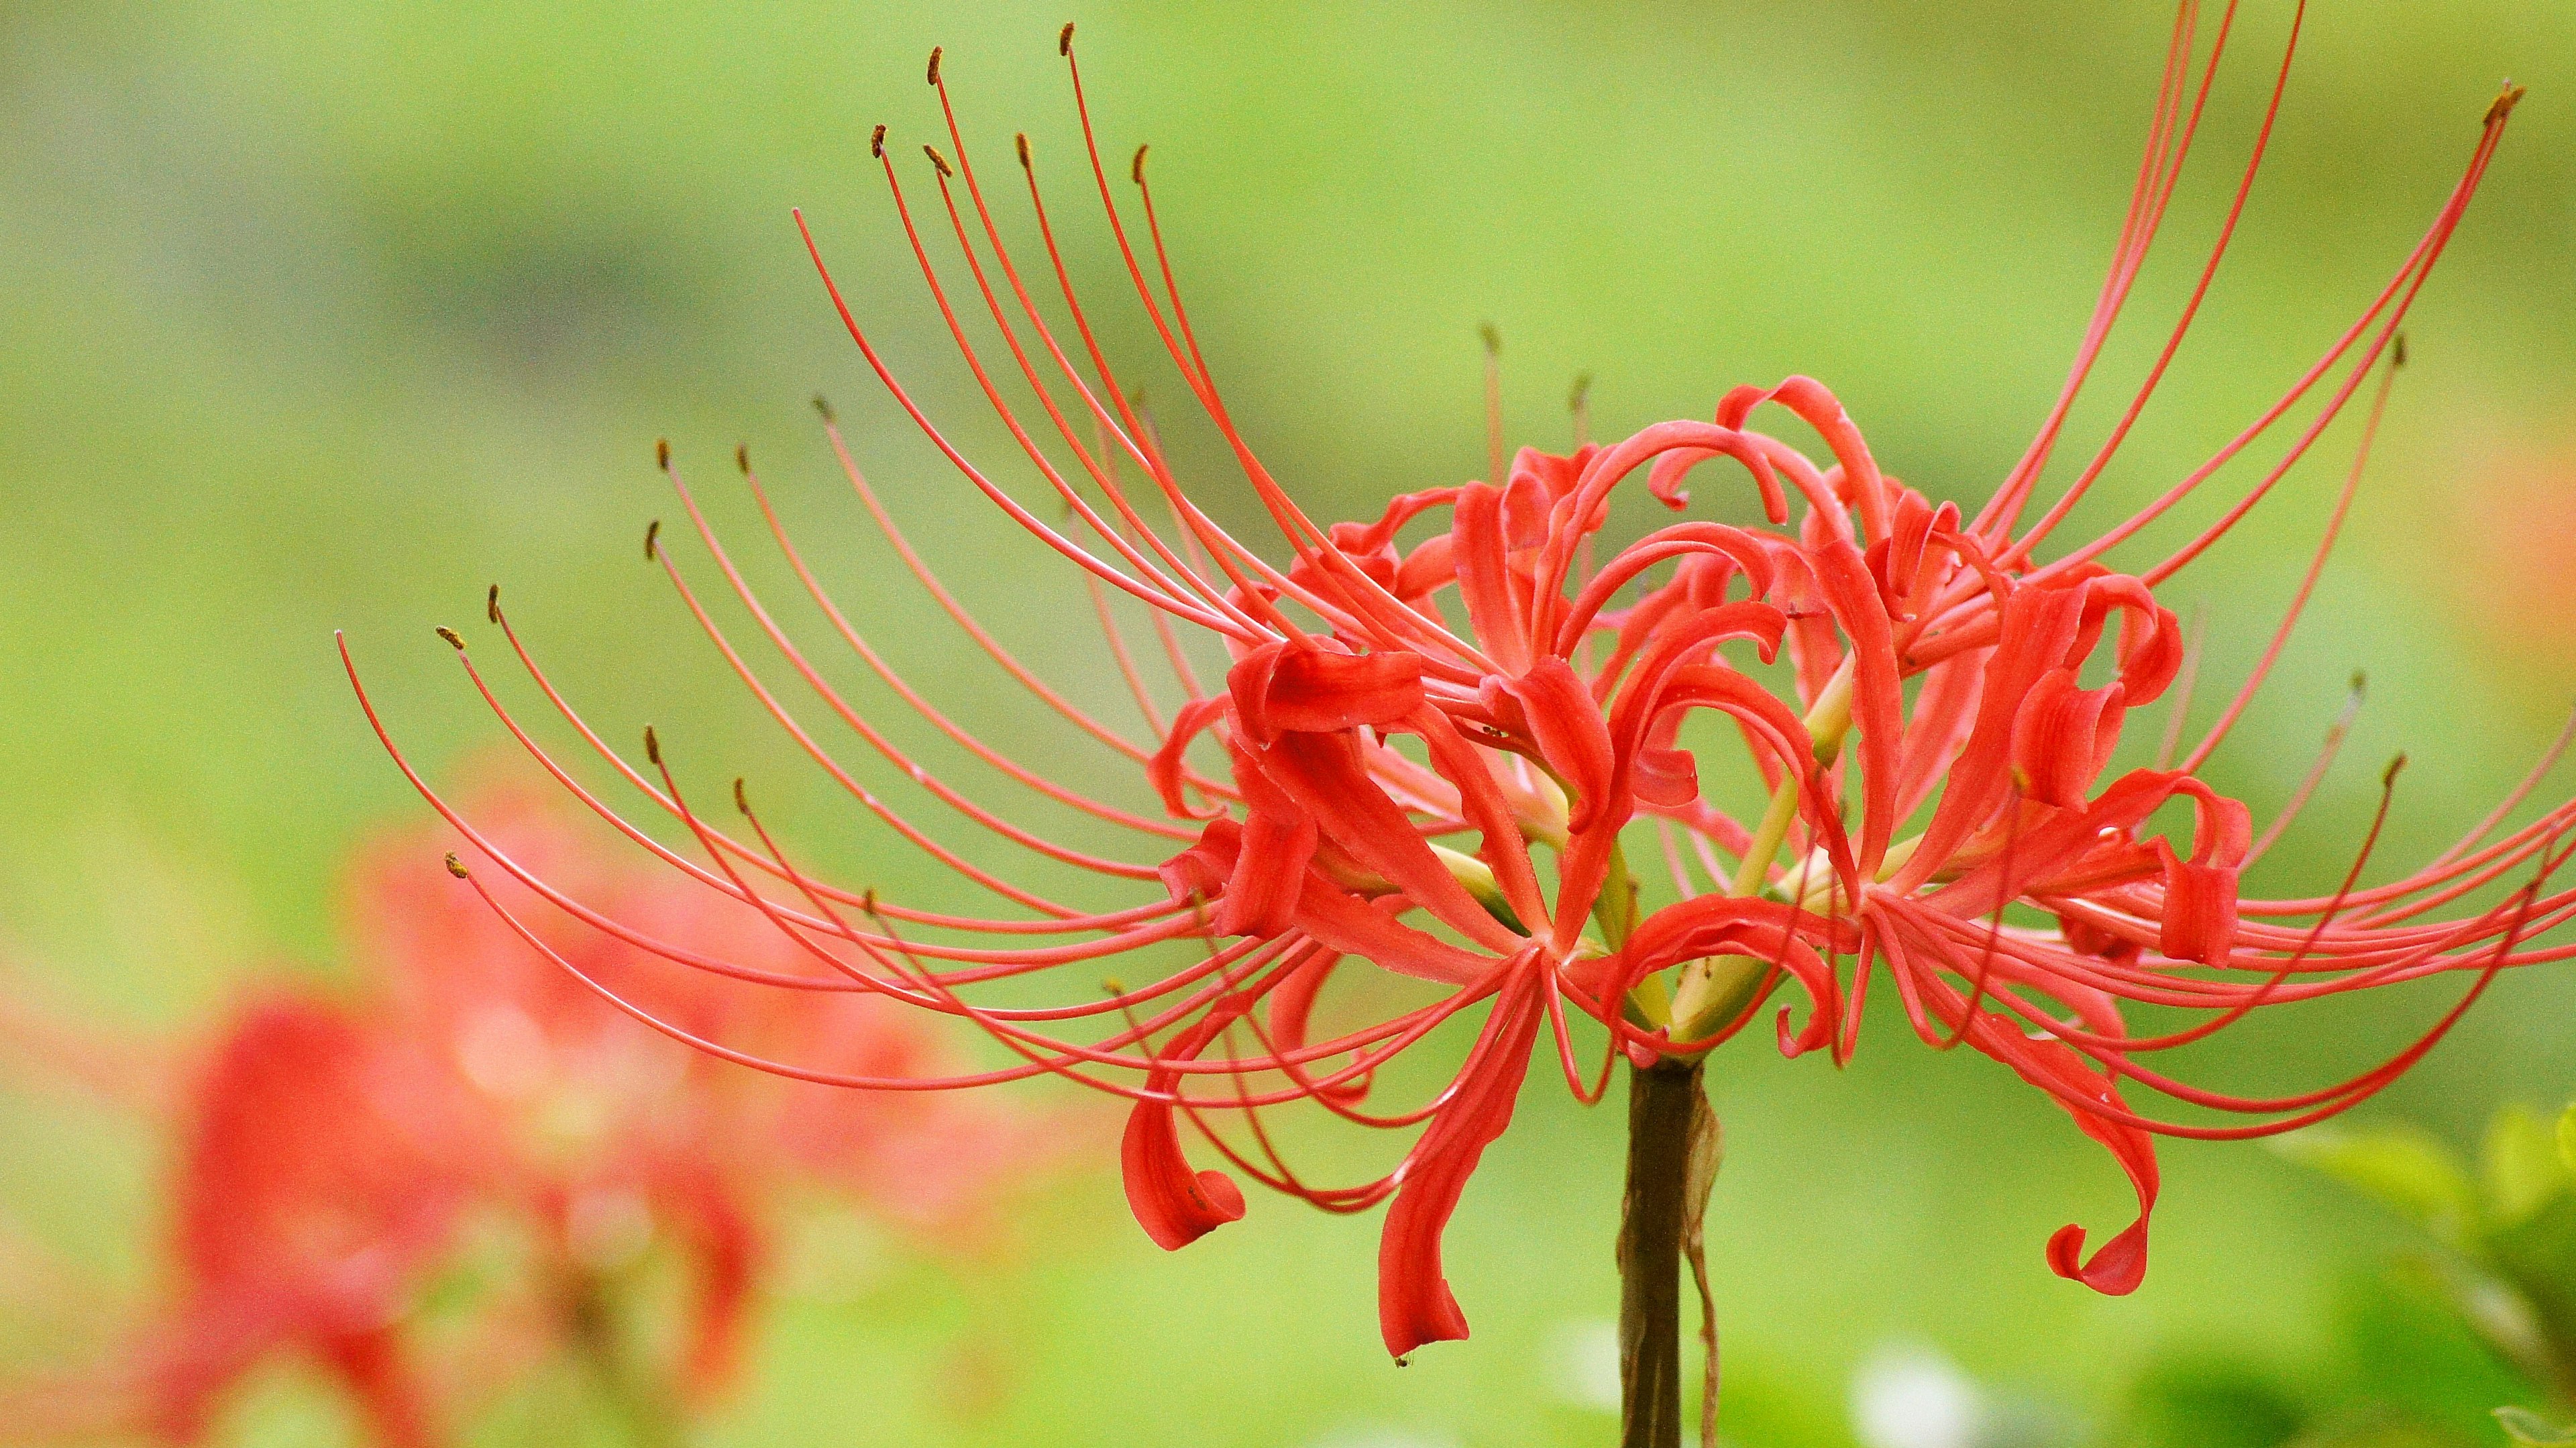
(1440, 736)
(337, 1155)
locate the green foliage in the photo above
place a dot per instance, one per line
(2400, 1167)
(2506, 1268)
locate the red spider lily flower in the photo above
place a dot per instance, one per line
(318, 1181)
(1437, 736)
(335, 1153)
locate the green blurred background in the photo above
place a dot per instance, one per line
(323, 315)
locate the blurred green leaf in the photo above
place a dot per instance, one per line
(2523, 1167)
(2401, 1167)
(2567, 1136)
(2524, 1426)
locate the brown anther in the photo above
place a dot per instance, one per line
(742, 457)
(1020, 139)
(457, 868)
(492, 603)
(1581, 394)
(652, 533)
(1493, 336)
(739, 802)
(1136, 168)
(2388, 776)
(937, 160)
(934, 63)
(454, 641)
(2505, 103)
(2360, 682)
(2397, 351)
(868, 900)
(876, 144)
(662, 453)
(652, 746)
(1064, 39)
(823, 407)
(1111, 985)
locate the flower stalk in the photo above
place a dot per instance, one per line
(1668, 1115)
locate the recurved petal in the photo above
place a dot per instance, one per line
(1415, 1305)
(2200, 908)
(1571, 734)
(1285, 688)
(1173, 1203)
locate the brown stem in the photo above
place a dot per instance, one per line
(1665, 1112)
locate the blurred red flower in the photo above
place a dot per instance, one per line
(337, 1156)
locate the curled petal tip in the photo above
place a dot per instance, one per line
(452, 638)
(457, 868)
(1064, 39)
(934, 63)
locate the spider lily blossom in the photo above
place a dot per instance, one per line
(344, 1164)
(1438, 737)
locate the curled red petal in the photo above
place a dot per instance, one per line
(1173, 1203)
(1284, 688)
(1278, 842)
(1571, 734)
(1415, 1305)
(2063, 736)
(1165, 769)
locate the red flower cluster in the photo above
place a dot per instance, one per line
(1440, 735)
(335, 1158)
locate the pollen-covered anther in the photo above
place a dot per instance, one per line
(453, 640)
(652, 535)
(2397, 350)
(1020, 142)
(934, 63)
(662, 453)
(823, 409)
(1064, 39)
(492, 603)
(1493, 336)
(740, 801)
(2388, 776)
(652, 746)
(2505, 102)
(742, 457)
(876, 143)
(456, 867)
(1136, 168)
(937, 160)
